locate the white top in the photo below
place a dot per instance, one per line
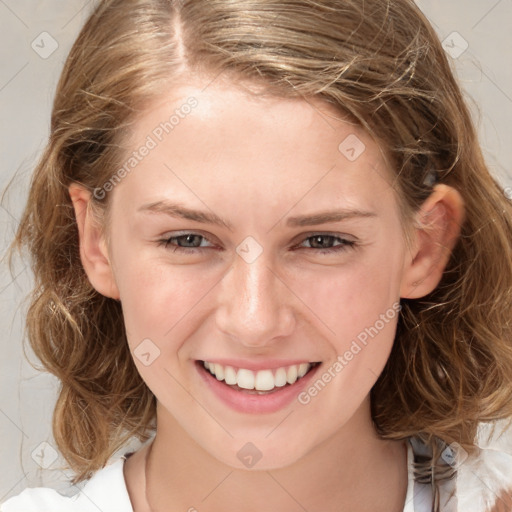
(483, 484)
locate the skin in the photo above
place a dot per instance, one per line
(255, 162)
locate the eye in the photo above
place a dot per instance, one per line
(323, 243)
(190, 242)
(187, 242)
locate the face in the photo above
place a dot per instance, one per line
(256, 234)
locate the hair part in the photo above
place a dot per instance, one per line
(378, 62)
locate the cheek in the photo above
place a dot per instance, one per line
(358, 311)
(163, 302)
(162, 307)
(340, 308)
(155, 296)
(348, 299)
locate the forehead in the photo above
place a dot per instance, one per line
(250, 147)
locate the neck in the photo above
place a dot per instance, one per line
(351, 470)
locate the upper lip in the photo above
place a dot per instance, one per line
(267, 364)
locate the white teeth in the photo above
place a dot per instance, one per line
(280, 378)
(303, 369)
(262, 380)
(219, 371)
(245, 379)
(291, 374)
(230, 375)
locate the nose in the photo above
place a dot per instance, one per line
(255, 306)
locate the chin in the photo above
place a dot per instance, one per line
(258, 455)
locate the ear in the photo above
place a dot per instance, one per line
(93, 246)
(437, 229)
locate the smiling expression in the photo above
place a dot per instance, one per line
(248, 237)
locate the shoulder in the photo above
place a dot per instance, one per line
(482, 482)
(105, 491)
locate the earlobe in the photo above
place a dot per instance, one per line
(437, 229)
(93, 247)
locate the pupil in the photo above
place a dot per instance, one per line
(189, 239)
(319, 239)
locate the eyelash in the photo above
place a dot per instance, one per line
(343, 246)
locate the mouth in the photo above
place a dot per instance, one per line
(260, 382)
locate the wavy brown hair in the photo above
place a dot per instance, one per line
(379, 62)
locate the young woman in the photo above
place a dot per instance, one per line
(266, 243)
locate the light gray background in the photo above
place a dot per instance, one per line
(27, 84)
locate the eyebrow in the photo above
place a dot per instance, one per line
(328, 216)
(177, 210)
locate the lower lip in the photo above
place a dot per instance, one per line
(254, 403)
